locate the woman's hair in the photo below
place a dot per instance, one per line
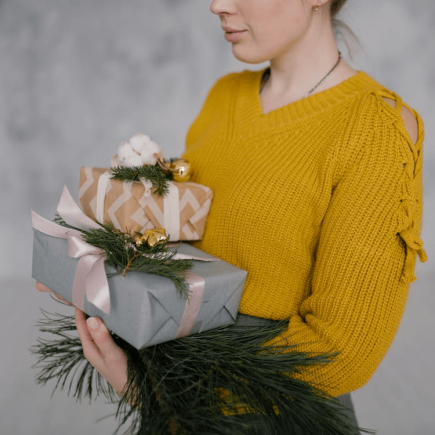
(340, 28)
(336, 5)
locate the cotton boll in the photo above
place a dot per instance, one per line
(139, 142)
(127, 156)
(114, 161)
(147, 154)
(125, 150)
(133, 160)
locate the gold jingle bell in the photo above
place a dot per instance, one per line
(180, 169)
(152, 238)
(157, 237)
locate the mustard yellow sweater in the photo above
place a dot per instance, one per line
(321, 202)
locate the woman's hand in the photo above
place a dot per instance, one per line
(101, 351)
(99, 348)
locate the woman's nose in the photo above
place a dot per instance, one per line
(223, 7)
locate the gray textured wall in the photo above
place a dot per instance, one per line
(77, 78)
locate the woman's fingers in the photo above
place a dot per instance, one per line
(106, 345)
(44, 288)
(96, 339)
(90, 349)
(101, 336)
(101, 350)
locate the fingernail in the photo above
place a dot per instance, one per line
(92, 323)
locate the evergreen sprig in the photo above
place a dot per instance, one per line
(199, 385)
(152, 173)
(124, 255)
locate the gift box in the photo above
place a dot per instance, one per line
(145, 309)
(133, 206)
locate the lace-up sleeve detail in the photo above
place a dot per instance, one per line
(410, 210)
(368, 244)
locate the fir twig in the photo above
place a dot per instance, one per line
(153, 173)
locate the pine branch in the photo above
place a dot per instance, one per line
(61, 359)
(123, 255)
(186, 384)
(154, 174)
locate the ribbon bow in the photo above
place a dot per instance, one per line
(90, 278)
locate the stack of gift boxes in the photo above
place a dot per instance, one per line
(144, 309)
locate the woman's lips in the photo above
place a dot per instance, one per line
(233, 35)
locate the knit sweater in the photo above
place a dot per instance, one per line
(321, 202)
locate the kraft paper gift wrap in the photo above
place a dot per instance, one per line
(145, 309)
(130, 206)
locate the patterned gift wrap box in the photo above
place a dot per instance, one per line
(128, 205)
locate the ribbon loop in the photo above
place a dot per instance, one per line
(71, 213)
(90, 278)
(77, 247)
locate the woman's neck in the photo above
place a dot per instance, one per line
(299, 68)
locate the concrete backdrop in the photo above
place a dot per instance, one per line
(77, 78)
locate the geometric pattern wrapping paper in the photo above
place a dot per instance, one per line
(128, 207)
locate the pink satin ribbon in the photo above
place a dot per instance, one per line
(91, 279)
(193, 304)
(71, 213)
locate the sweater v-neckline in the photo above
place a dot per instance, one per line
(249, 107)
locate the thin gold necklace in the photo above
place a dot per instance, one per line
(267, 75)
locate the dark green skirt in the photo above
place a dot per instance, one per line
(345, 399)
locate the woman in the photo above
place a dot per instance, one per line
(316, 173)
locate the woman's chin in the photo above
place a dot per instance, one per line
(242, 54)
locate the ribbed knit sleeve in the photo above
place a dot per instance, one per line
(366, 252)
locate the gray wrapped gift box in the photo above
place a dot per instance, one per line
(145, 309)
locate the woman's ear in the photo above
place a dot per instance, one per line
(317, 3)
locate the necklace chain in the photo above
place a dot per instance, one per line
(267, 75)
